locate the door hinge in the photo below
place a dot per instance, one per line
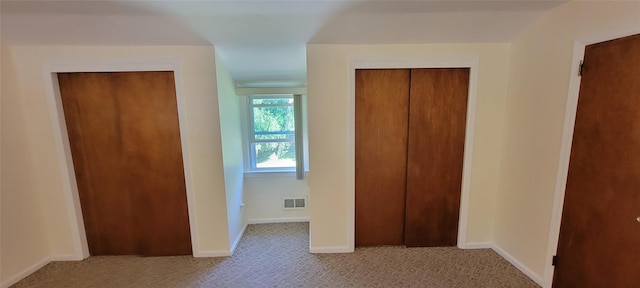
(580, 67)
(554, 260)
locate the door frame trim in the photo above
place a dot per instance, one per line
(419, 61)
(567, 139)
(69, 184)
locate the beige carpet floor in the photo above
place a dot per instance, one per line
(276, 255)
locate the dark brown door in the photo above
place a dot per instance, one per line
(410, 127)
(599, 244)
(437, 123)
(382, 106)
(125, 144)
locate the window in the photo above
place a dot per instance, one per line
(272, 139)
(274, 131)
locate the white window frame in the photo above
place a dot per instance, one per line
(249, 135)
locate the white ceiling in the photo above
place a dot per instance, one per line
(263, 41)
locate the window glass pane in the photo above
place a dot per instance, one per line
(274, 136)
(273, 119)
(275, 154)
(258, 101)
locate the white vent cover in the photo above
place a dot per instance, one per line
(294, 203)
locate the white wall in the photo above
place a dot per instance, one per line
(232, 154)
(265, 193)
(35, 188)
(328, 92)
(540, 67)
(24, 240)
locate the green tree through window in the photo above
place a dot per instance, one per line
(273, 139)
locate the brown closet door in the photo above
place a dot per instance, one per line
(599, 241)
(437, 123)
(125, 143)
(382, 104)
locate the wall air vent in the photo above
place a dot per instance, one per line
(294, 203)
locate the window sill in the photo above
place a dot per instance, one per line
(272, 174)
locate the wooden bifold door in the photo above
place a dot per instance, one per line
(409, 147)
(125, 144)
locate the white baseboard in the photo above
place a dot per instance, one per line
(30, 270)
(518, 265)
(205, 254)
(277, 220)
(322, 250)
(477, 245)
(235, 243)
